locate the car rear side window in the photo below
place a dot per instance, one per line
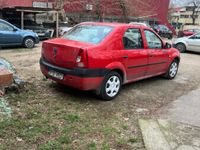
(88, 33)
(152, 40)
(132, 39)
(196, 36)
(5, 27)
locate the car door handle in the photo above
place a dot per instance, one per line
(151, 55)
(125, 57)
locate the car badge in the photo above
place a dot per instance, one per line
(55, 51)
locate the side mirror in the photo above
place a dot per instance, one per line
(15, 29)
(167, 45)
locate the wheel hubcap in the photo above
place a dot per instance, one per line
(112, 86)
(180, 48)
(173, 69)
(29, 43)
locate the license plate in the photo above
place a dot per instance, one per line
(56, 75)
(41, 34)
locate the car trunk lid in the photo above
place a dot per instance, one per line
(62, 52)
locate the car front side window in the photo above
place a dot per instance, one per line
(132, 39)
(5, 27)
(153, 41)
(197, 36)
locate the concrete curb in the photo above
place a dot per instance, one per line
(153, 136)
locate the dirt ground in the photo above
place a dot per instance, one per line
(49, 116)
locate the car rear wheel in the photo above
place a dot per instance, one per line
(181, 47)
(111, 86)
(170, 36)
(29, 42)
(173, 69)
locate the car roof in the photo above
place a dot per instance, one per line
(3, 20)
(115, 24)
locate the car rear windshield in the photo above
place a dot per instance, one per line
(88, 33)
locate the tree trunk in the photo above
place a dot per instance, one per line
(124, 10)
(98, 13)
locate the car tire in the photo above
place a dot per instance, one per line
(29, 42)
(111, 86)
(181, 47)
(170, 37)
(172, 70)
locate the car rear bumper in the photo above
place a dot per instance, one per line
(79, 78)
(44, 36)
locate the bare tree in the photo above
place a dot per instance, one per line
(195, 9)
(98, 10)
(124, 9)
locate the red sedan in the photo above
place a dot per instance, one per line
(188, 32)
(104, 56)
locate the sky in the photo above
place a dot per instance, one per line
(179, 2)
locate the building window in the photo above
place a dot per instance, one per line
(185, 16)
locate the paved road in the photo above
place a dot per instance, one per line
(186, 108)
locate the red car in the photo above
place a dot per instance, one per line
(104, 56)
(188, 32)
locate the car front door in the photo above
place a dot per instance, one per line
(8, 36)
(157, 56)
(194, 43)
(135, 57)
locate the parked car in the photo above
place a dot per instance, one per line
(10, 35)
(140, 23)
(42, 32)
(163, 31)
(188, 32)
(63, 28)
(191, 43)
(104, 56)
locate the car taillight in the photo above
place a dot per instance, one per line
(42, 51)
(81, 59)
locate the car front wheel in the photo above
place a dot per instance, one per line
(181, 47)
(29, 42)
(111, 86)
(173, 69)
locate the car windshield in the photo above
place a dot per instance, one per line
(163, 27)
(88, 33)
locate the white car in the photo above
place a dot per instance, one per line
(63, 30)
(140, 24)
(191, 43)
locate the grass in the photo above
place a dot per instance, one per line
(133, 140)
(105, 146)
(50, 145)
(58, 121)
(91, 146)
(72, 118)
(64, 139)
(125, 127)
(121, 141)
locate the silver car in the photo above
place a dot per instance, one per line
(191, 43)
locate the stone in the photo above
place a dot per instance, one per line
(141, 110)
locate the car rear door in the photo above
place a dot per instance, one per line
(157, 56)
(8, 36)
(135, 57)
(194, 43)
